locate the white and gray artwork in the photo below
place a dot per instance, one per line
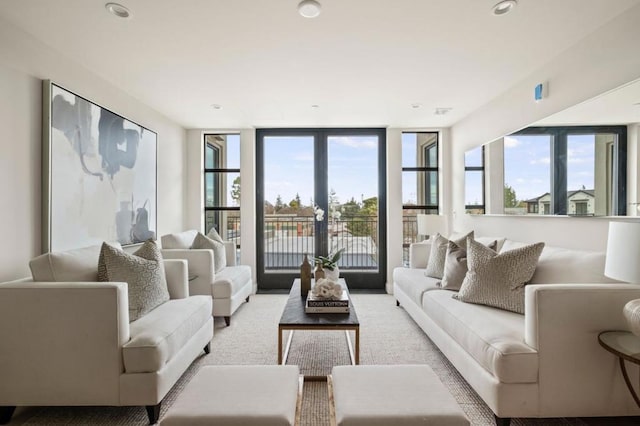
(102, 175)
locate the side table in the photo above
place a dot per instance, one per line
(626, 346)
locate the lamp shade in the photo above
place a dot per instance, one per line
(623, 252)
(430, 224)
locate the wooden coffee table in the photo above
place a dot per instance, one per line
(295, 318)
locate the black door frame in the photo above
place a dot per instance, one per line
(356, 280)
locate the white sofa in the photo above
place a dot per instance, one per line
(228, 287)
(545, 363)
(65, 339)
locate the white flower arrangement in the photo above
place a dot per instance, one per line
(326, 289)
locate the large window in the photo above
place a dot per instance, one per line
(474, 181)
(419, 183)
(579, 170)
(222, 185)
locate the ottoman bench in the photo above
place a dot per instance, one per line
(265, 395)
(396, 395)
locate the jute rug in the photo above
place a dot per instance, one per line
(387, 336)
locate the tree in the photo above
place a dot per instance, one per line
(279, 205)
(296, 202)
(235, 191)
(510, 199)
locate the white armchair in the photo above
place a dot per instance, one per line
(70, 342)
(229, 287)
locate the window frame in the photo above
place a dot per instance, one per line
(220, 190)
(559, 137)
(480, 168)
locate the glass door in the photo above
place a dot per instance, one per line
(340, 171)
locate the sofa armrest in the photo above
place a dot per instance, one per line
(61, 339)
(177, 274)
(230, 252)
(562, 322)
(419, 254)
(200, 265)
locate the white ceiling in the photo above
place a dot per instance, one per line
(363, 62)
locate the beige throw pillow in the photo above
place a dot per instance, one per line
(455, 265)
(437, 257)
(498, 280)
(143, 272)
(213, 234)
(219, 254)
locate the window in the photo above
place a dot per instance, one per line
(222, 185)
(578, 170)
(420, 185)
(474, 181)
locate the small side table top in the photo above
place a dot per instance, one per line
(621, 343)
(626, 346)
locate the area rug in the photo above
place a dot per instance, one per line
(387, 336)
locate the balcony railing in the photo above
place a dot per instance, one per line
(287, 238)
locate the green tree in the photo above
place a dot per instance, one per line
(279, 205)
(296, 202)
(510, 199)
(235, 191)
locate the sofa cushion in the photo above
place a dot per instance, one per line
(493, 337)
(180, 240)
(231, 279)
(455, 265)
(562, 266)
(159, 335)
(143, 272)
(498, 280)
(219, 252)
(414, 283)
(435, 266)
(76, 265)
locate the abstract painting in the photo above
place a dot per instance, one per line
(99, 174)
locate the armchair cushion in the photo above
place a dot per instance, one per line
(230, 280)
(142, 271)
(160, 334)
(219, 252)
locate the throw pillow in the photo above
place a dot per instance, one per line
(219, 253)
(213, 234)
(455, 265)
(498, 280)
(142, 271)
(435, 266)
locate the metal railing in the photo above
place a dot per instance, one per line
(287, 238)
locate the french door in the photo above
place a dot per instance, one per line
(342, 172)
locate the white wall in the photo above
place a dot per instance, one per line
(600, 62)
(24, 63)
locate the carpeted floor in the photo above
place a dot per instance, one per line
(387, 336)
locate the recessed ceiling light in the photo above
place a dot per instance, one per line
(442, 111)
(309, 8)
(416, 106)
(216, 106)
(315, 106)
(118, 10)
(504, 7)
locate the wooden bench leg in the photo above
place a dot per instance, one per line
(502, 421)
(153, 412)
(5, 414)
(227, 321)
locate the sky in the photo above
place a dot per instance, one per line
(527, 165)
(353, 168)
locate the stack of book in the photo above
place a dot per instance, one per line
(316, 305)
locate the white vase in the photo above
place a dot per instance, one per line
(332, 275)
(631, 313)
